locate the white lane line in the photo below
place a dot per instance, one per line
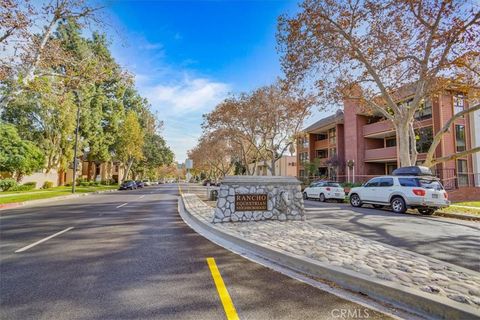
(141, 197)
(43, 240)
(122, 205)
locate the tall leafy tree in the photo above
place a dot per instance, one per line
(156, 154)
(130, 142)
(17, 156)
(46, 117)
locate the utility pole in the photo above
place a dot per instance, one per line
(76, 142)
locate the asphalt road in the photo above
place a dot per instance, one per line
(451, 240)
(128, 255)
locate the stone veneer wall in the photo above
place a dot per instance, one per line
(285, 201)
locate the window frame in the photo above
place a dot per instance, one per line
(321, 150)
(464, 138)
(456, 105)
(420, 113)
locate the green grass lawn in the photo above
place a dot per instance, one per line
(460, 210)
(48, 193)
(468, 204)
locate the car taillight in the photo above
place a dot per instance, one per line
(328, 188)
(445, 195)
(419, 192)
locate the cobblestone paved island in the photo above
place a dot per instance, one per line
(345, 250)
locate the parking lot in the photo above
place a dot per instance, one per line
(451, 240)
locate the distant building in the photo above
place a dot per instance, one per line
(87, 170)
(285, 166)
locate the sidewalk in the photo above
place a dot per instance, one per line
(398, 268)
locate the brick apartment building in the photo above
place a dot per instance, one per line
(369, 143)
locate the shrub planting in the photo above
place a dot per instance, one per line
(7, 184)
(47, 185)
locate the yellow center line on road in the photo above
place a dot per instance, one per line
(179, 189)
(227, 303)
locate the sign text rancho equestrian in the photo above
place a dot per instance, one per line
(251, 202)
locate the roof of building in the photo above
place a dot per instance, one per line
(334, 118)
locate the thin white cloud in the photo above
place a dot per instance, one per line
(180, 104)
(187, 96)
(151, 46)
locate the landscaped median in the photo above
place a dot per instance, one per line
(405, 279)
(13, 199)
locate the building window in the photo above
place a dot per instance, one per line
(424, 137)
(460, 137)
(302, 173)
(305, 142)
(390, 142)
(333, 152)
(425, 111)
(458, 103)
(332, 134)
(303, 156)
(321, 153)
(462, 172)
(390, 167)
(321, 136)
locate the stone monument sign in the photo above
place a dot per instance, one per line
(255, 198)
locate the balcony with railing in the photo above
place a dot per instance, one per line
(381, 154)
(379, 127)
(321, 144)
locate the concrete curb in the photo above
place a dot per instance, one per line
(413, 300)
(14, 205)
(457, 216)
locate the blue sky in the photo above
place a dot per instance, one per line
(189, 55)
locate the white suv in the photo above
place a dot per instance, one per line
(402, 192)
(324, 190)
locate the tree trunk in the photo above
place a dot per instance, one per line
(129, 166)
(272, 166)
(403, 135)
(61, 177)
(89, 171)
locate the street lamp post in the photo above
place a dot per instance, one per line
(76, 142)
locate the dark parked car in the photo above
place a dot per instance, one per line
(128, 185)
(207, 182)
(140, 184)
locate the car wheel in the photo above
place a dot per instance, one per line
(398, 205)
(305, 197)
(321, 197)
(377, 206)
(426, 211)
(355, 200)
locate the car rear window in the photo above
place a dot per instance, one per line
(431, 184)
(333, 184)
(418, 182)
